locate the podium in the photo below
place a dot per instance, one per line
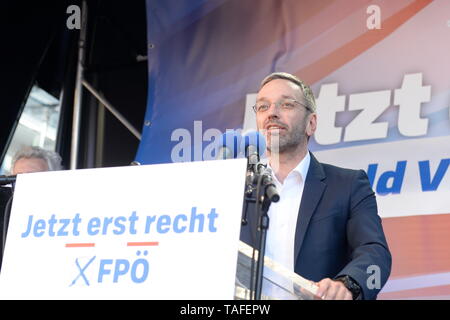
(278, 282)
(103, 247)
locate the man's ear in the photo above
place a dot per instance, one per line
(311, 124)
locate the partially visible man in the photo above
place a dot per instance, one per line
(35, 159)
(325, 227)
(26, 160)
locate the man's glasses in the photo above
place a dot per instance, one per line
(285, 105)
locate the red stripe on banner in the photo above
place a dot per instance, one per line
(419, 244)
(333, 61)
(142, 244)
(80, 245)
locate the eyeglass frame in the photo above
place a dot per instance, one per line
(279, 104)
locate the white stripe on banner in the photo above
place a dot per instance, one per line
(417, 282)
(410, 177)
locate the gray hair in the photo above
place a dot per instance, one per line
(307, 92)
(53, 159)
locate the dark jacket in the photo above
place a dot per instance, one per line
(339, 231)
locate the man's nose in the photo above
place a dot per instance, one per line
(273, 111)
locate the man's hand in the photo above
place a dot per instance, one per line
(333, 290)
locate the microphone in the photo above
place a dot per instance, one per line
(254, 146)
(271, 189)
(229, 145)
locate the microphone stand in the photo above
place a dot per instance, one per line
(266, 193)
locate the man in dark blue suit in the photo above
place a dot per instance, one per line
(325, 227)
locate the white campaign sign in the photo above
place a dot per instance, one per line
(168, 231)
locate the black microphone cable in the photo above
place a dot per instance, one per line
(7, 213)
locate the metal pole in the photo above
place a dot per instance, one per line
(78, 90)
(113, 110)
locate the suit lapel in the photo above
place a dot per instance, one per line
(312, 192)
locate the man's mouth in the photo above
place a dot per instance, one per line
(274, 128)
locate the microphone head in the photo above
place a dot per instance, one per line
(256, 141)
(229, 145)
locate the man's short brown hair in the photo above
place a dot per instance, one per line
(307, 92)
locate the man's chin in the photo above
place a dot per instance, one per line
(275, 148)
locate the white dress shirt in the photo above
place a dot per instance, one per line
(284, 213)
